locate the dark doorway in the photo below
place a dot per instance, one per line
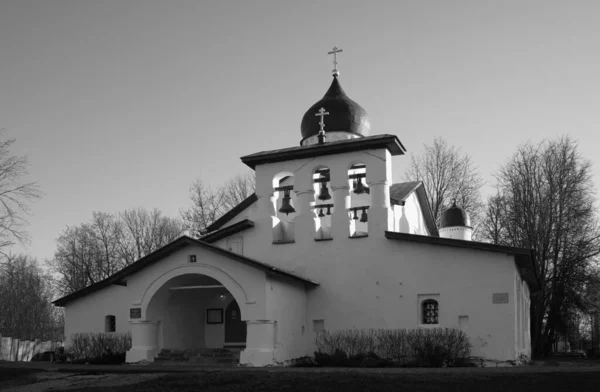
(235, 328)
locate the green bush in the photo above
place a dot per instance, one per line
(108, 347)
(393, 347)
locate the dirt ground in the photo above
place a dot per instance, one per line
(355, 381)
(548, 376)
(54, 381)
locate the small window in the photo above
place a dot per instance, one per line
(430, 311)
(192, 258)
(214, 316)
(110, 324)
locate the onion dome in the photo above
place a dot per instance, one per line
(345, 115)
(455, 216)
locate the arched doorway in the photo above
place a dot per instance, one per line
(235, 328)
(191, 313)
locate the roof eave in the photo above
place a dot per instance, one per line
(228, 231)
(391, 142)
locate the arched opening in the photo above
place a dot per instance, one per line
(323, 206)
(284, 200)
(192, 311)
(360, 200)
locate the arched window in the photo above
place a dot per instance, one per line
(360, 200)
(430, 311)
(323, 204)
(110, 323)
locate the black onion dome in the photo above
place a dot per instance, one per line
(455, 216)
(345, 115)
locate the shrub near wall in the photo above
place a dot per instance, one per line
(96, 348)
(393, 347)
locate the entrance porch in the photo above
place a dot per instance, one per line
(191, 312)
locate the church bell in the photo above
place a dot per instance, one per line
(364, 217)
(286, 203)
(321, 214)
(355, 217)
(359, 188)
(324, 193)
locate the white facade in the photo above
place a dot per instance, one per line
(365, 281)
(358, 261)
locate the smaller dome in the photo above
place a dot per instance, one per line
(455, 216)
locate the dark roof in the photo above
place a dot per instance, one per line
(345, 115)
(524, 258)
(390, 142)
(455, 216)
(232, 213)
(119, 277)
(399, 192)
(227, 231)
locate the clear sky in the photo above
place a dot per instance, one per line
(123, 103)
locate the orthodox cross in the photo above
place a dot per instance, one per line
(334, 52)
(322, 113)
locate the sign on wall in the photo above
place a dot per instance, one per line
(500, 298)
(135, 313)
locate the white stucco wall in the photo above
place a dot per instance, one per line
(287, 303)
(368, 282)
(409, 218)
(88, 313)
(375, 282)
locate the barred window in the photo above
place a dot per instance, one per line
(430, 311)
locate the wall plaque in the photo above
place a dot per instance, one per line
(500, 298)
(135, 313)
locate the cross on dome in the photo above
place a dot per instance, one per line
(334, 52)
(322, 113)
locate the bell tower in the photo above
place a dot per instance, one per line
(335, 186)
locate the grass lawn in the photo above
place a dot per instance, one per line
(467, 380)
(15, 377)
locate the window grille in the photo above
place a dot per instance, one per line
(430, 312)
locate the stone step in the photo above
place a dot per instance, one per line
(200, 357)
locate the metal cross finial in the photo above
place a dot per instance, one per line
(334, 52)
(322, 113)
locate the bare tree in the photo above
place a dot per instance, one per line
(15, 196)
(145, 231)
(93, 251)
(25, 301)
(237, 189)
(546, 202)
(447, 175)
(209, 204)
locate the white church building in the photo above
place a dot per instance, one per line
(327, 242)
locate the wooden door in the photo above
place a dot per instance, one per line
(235, 328)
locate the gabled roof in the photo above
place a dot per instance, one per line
(391, 142)
(524, 258)
(227, 231)
(232, 213)
(399, 192)
(119, 277)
